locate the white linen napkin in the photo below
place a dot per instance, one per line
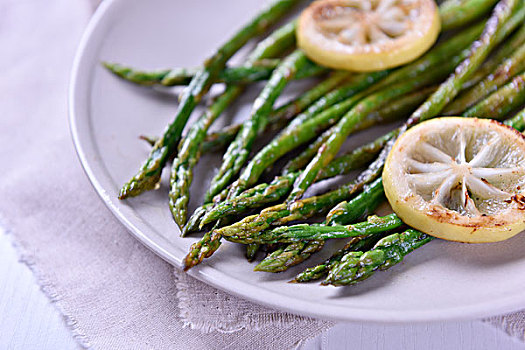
(112, 291)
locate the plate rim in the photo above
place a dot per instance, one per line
(216, 278)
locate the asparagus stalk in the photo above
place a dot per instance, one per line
(195, 219)
(494, 32)
(314, 205)
(202, 249)
(181, 175)
(503, 52)
(251, 251)
(259, 70)
(455, 13)
(518, 121)
(182, 76)
(239, 149)
(442, 52)
(282, 114)
(512, 95)
(502, 101)
(357, 266)
(219, 140)
(354, 85)
(317, 232)
(345, 213)
(356, 244)
(276, 215)
(288, 256)
(503, 73)
(149, 174)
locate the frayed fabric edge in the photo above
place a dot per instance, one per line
(285, 319)
(505, 324)
(46, 286)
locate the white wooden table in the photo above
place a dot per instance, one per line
(30, 321)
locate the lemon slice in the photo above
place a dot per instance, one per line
(367, 35)
(460, 179)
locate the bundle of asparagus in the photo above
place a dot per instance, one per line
(473, 71)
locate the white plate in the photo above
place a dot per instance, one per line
(438, 282)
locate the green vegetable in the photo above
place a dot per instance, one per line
(357, 266)
(239, 149)
(503, 73)
(456, 13)
(319, 271)
(286, 257)
(502, 101)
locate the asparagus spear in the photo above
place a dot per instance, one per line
(202, 249)
(182, 76)
(239, 149)
(181, 175)
(497, 28)
(513, 94)
(283, 113)
(314, 205)
(301, 161)
(281, 185)
(357, 266)
(356, 244)
(188, 155)
(251, 251)
(259, 70)
(503, 73)
(195, 219)
(456, 13)
(518, 121)
(441, 52)
(363, 204)
(342, 214)
(288, 256)
(301, 131)
(317, 232)
(275, 215)
(502, 101)
(149, 174)
(503, 52)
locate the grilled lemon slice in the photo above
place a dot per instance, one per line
(367, 35)
(460, 179)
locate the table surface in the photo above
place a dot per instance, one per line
(30, 321)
